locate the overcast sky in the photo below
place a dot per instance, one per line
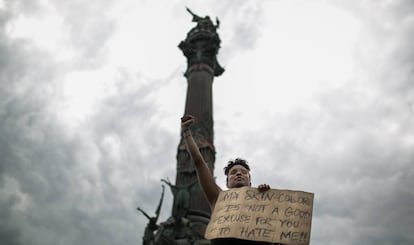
(317, 95)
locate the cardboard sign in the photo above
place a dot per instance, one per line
(277, 216)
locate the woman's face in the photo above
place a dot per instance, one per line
(238, 176)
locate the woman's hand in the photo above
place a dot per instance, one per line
(263, 187)
(186, 122)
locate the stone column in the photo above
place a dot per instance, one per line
(200, 48)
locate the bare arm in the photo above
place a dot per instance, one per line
(205, 178)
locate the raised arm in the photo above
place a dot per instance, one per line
(205, 178)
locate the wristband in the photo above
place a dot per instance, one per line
(186, 133)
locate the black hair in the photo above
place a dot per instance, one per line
(237, 161)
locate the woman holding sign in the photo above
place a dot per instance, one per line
(238, 175)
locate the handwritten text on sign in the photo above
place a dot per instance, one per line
(279, 216)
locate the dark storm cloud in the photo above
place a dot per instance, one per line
(65, 188)
(9, 230)
(353, 145)
(361, 145)
(371, 168)
(61, 194)
(71, 189)
(146, 153)
(345, 152)
(388, 176)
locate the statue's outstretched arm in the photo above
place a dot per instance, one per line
(168, 182)
(144, 213)
(157, 212)
(196, 18)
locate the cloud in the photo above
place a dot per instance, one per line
(241, 26)
(350, 143)
(67, 183)
(71, 186)
(68, 178)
